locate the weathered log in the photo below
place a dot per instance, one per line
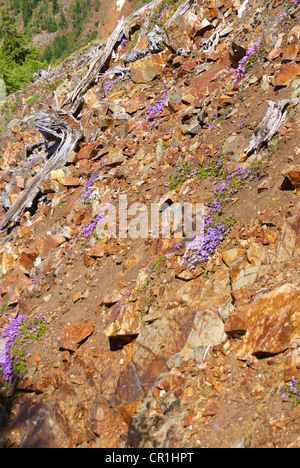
(138, 14)
(55, 126)
(269, 126)
(92, 75)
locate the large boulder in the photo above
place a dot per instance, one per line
(269, 325)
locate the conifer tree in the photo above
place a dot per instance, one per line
(17, 62)
(26, 11)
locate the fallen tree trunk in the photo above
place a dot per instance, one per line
(92, 75)
(55, 126)
(269, 126)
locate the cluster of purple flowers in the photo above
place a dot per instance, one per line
(90, 182)
(243, 121)
(11, 362)
(123, 43)
(120, 305)
(285, 17)
(153, 112)
(292, 390)
(212, 125)
(247, 61)
(215, 230)
(108, 86)
(155, 109)
(182, 173)
(89, 230)
(7, 359)
(3, 309)
(35, 159)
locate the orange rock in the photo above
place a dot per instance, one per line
(271, 321)
(147, 68)
(128, 411)
(26, 261)
(73, 335)
(230, 256)
(126, 326)
(294, 34)
(291, 52)
(51, 242)
(293, 174)
(178, 34)
(98, 250)
(273, 54)
(8, 261)
(289, 242)
(60, 176)
(287, 74)
(210, 410)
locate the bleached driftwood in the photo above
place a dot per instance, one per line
(269, 126)
(55, 126)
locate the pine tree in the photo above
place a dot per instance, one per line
(17, 62)
(26, 11)
(55, 7)
(63, 24)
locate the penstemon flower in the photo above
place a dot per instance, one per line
(12, 364)
(292, 390)
(248, 60)
(214, 229)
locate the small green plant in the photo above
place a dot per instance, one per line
(215, 229)
(249, 59)
(33, 100)
(157, 266)
(182, 173)
(5, 309)
(32, 328)
(286, 16)
(292, 391)
(148, 303)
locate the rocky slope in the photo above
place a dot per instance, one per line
(145, 345)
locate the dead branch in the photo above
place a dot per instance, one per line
(92, 75)
(55, 126)
(269, 126)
